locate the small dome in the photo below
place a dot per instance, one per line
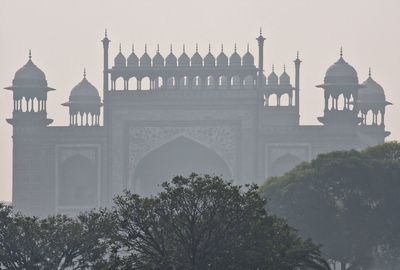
(222, 59)
(372, 92)
(341, 73)
(235, 60)
(184, 60)
(248, 58)
(145, 60)
(284, 79)
(273, 78)
(133, 60)
(158, 60)
(196, 60)
(120, 60)
(209, 60)
(171, 60)
(29, 75)
(85, 92)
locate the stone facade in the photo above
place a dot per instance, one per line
(210, 115)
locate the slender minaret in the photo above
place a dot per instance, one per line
(260, 40)
(106, 42)
(297, 63)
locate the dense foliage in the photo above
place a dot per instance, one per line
(196, 222)
(347, 201)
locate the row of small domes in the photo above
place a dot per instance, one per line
(340, 73)
(184, 60)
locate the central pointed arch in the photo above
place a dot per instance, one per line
(180, 156)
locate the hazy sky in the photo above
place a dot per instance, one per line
(65, 37)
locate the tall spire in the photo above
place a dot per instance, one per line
(170, 48)
(105, 32)
(248, 47)
(260, 31)
(341, 52)
(84, 73)
(158, 48)
(197, 47)
(284, 68)
(297, 56)
(222, 47)
(370, 73)
(133, 48)
(235, 47)
(184, 48)
(273, 68)
(30, 54)
(209, 47)
(120, 47)
(145, 48)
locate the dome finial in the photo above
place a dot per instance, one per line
(222, 47)
(298, 55)
(209, 47)
(145, 48)
(341, 52)
(235, 47)
(197, 47)
(260, 31)
(120, 47)
(370, 73)
(248, 47)
(284, 68)
(170, 48)
(30, 54)
(84, 73)
(105, 32)
(273, 68)
(133, 47)
(158, 48)
(183, 48)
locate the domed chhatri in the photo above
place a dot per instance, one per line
(158, 60)
(248, 58)
(284, 79)
(341, 73)
(145, 60)
(209, 60)
(196, 60)
(371, 92)
(235, 60)
(120, 60)
(222, 59)
(273, 78)
(133, 60)
(184, 60)
(85, 92)
(171, 60)
(84, 101)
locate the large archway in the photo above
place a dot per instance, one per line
(180, 156)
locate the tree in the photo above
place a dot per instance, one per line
(56, 242)
(202, 222)
(347, 201)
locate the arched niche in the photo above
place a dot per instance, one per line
(77, 183)
(181, 156)
(283, 164)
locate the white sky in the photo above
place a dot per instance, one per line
(65, 35)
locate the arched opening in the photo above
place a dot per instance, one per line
(119, 83)
(235, 82)
(181, 156)
(133, 83)
(210, 82)
(369, 117)
(248, 82)
(158, 83)
(145, 83)
(171, 82)
(273, 100)
(284, 100)
(222, 82)
(283, 164)
(184, 82)
(340, 103)
(196, 83)
(77, 184)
